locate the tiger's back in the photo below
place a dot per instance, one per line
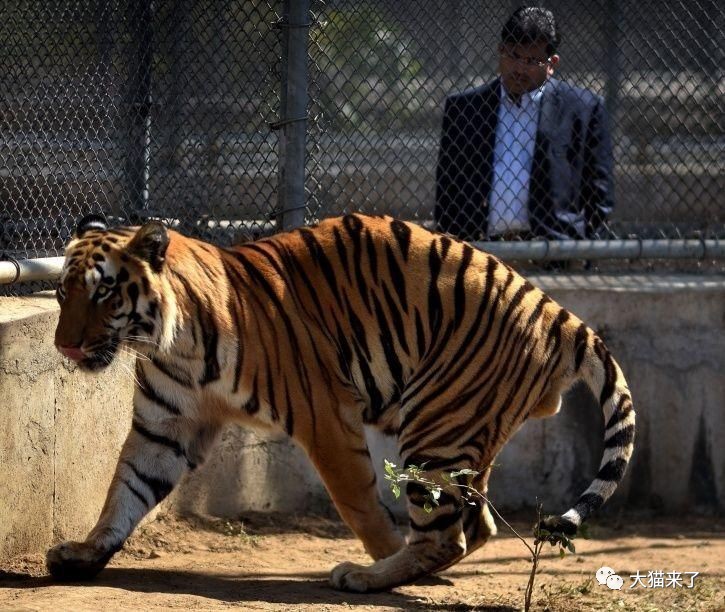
(319, 331)
(407, 310)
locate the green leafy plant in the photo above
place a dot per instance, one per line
(417, 474)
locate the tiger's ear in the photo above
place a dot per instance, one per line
(90, 222)
(149, 244)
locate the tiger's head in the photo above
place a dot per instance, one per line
(110, 292)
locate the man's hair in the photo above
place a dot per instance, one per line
(530, 25)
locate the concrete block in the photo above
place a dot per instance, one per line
(92, 420)
(252, 471)
(60, 431)
(27, 437)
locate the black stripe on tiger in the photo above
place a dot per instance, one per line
(467, 346)
(257, 276)
(402, 234)
(386, 339)
(419, 334)
(358, 330)
(133, 293)
(299, 274)
(459, 291)
(440, 523)
(234, 306)
(172, 445)
(555, 330)
(159, 488)
(610, 372)
(271, 398)
(136, 492)
(622, 438)
(353, 225)
(588, 504)
(621, 412)
(147, 390)
(375, 397)
(209, 332)
(580, 345)
(445, 247)
(435, 303)
(289, 421)
(319, 257)
(251, 406)
(344, 351)
(425, 373)
(342, 253)
(438, 463)
(396, 318)
(397, 278)
(372, 255)
(537, 312)
(612, 471)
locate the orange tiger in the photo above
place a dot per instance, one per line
(317, 332)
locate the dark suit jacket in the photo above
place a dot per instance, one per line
(570, 192)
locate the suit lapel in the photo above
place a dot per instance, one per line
(487, 120)
(541, 187)
(549, 116)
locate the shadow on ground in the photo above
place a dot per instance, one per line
(244, 589)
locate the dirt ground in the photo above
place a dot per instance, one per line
(274, 563)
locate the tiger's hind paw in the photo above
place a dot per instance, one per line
(351, 577)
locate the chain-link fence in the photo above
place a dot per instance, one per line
(201, 112)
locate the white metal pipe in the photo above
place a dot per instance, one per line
(606, 249)
(48, 269)
(24, 270)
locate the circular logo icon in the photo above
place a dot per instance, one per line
(603, 573)
(615, 582)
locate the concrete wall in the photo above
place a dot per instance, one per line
(61, 429)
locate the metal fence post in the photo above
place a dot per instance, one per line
(292, 203)
(138, 158)
(612, 68)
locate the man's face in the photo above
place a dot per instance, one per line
(524, 67)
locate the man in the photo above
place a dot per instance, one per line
(526, 155)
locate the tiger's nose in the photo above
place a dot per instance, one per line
(74, 353)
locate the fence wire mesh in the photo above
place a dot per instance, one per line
(384, 70)
(140, 109)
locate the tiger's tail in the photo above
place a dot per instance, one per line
(595, 366)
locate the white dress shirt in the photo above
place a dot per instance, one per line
(513, 157)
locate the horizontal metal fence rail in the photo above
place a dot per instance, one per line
(49, 269)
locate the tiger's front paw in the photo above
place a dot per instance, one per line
(351, 577)
(76, 560)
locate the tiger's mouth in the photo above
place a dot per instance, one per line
(100, 356)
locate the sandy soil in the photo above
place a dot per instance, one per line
(274, 563)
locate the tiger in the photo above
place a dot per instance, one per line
(319, 332)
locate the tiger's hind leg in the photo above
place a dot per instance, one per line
(437, 540)
(478, 522)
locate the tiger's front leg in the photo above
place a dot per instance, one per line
(153, 460)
